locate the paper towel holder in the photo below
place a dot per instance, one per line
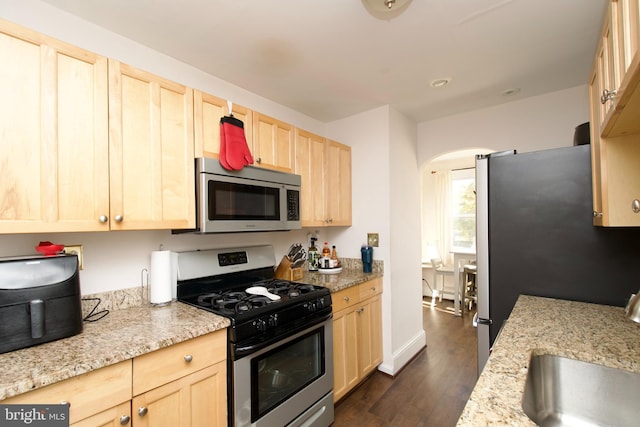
(144, 285)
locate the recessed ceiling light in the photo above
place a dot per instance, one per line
(440, 82)
(511, 92)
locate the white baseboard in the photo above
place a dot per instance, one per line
(404, 355)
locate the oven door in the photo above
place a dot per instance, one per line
(289, 382)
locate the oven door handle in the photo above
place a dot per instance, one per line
(240, 350)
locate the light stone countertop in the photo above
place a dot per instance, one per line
(132, 328)
(588, 332)
(351, 275)
(121, 335)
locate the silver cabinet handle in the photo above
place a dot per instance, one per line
(360, 310)
(103, 218)
(142, 411)
(118, 218)
(188, 358)
(607, 95)
(346, 299)
(597, 214)
(124, 420)
(635, 206)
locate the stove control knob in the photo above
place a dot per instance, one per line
(320, 303)
(311, 307)
(260, 324)
(273, 320)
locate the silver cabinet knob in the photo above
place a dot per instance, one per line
(118, 218)
(360, 310)
(124, 420)
(259, 160)
(635, 206)
(597, 214)
(142, 411)
(188, 358)
(103, 218)
(346, 299)
(607, 95)
(64, 402)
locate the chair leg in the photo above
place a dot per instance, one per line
(434, 295)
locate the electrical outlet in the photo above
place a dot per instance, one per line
(76, 250)
(372, 239)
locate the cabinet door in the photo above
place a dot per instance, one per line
(345, 352)
(272, 143)
(369, 318)
(53, 121)
(597, 151)
(151, 151)
(208, 110)
(606, 58)
(87, 394)
(628, 36)
(338, 183)
(117, 416)
(199, 399)
(309, 164)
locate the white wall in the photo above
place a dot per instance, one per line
(531, 124)
(386, 201)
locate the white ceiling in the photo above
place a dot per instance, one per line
(330, 59)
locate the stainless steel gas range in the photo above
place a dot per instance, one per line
(280, 349)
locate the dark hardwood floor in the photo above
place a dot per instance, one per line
(431, 390)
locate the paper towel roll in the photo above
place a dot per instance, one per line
(160, 277)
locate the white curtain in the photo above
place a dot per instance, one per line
(443, 215)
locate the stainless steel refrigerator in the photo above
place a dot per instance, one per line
(535, 236)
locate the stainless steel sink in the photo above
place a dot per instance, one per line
(567, 392)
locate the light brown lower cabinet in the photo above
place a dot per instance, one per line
(198, 399)
(357, 335)
(117, 416)
(183, 385)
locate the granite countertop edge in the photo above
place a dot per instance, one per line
(589, 332)
(121, 335)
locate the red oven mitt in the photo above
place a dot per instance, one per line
(234, 151)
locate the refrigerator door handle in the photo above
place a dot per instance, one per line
(480, 321)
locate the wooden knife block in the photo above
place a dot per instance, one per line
(285, 272)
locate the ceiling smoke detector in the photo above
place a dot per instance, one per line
(386, 9)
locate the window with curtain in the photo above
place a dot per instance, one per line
(463, 209)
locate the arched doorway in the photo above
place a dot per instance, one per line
(447, 213)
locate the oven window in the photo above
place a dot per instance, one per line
(230, 201)
(284, 371)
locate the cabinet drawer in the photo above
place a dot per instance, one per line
(370, 288)
(87, 394)
(168, 364)
(345, 298)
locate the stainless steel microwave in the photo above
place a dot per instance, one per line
(250, 199)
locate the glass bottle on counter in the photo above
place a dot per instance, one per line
(313, 256)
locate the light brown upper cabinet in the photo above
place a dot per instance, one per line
(338, 183)
(325, 168)
(54, 129)
(614, 96)
(208, 110)
(272, 143)
(151, 151)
